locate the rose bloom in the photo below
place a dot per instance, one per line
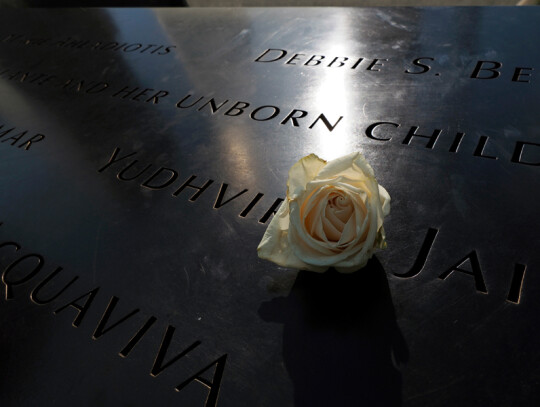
(332, 217)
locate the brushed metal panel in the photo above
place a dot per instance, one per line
(445, 316)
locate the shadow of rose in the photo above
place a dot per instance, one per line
(341, 343)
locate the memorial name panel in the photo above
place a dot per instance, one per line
(148, 166)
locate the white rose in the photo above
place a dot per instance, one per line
(332, 217)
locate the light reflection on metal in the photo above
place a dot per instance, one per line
(334, 96)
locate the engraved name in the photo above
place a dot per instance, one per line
(88, 45)
(155, 177)
(480, 69)
(19, 138)
(55, 287)
(469, 265)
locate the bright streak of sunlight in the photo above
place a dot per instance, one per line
(335, 98)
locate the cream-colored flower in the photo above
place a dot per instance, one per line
(332, 217)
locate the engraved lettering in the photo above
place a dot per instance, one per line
(67, 83)
(24, 76)
(432, 139)
(213, 107)
(158, 48)
(271, 116)
(518, 151)
(101, 327)
(17, 245)
(114, 159)
(47, 79)
(125, 91)
(96, 45)
(142, 93)
(187, 184)
(132, 47)
(369, 130)
(121, 176)
(82, 303)
(294, 118)
(15, 138)
(375, 63)
(97, 88)
(166, 50)
(251, 205)
(492, 69)
(221, 194)
(213, 386)
(164, 183)
(420, 261)
(475, 271)
(179, 104)
(2, 134)
(272, 211)
(518, 74)
(137, 337)
(325, 121)
(82, 309)
(154, 98)
(479, 151)
(293, 58)
(38, 76)
(336, 59)
(158, 365)
(357, 63)
(457, 141)
(13, 76)
(120, 46)
(316, 59)
(147, 47)
(9, 269)
(424, 67)
(91, 86)
(281, 53)
(110, 45)
(35, 292)
(12, 37)
(237, 106)
(34, 139)
(77, 44)
(159, 94)
(514, 294)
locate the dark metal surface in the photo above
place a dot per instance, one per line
(445, 316)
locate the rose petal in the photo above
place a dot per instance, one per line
(349, 231)
(302, 243)
(334, 216)
(330, 231)
(274, 244)
(301, 173)
(311, 215)
(344, 214)
(385, 200)
(310, 253)
(362, 222)
(313, 233)
(353, 166)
